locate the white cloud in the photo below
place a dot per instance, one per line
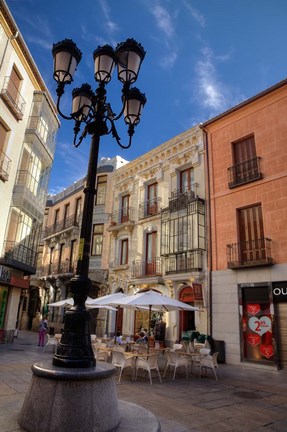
(195, 14)
(110, 24)
(163, 20)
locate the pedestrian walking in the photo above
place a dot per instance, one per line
(43, 328)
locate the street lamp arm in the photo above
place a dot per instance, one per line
(117, 137)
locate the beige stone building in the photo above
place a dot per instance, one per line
(60, 244)
(28, 126)
(158, 233)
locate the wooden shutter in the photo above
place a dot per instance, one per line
(251, 232)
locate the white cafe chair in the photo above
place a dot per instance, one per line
(121, 361)
(209, 362)
(149, 364)
(176, 360)
(51, 341)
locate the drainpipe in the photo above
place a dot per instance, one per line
(6, 46)
(209, 232)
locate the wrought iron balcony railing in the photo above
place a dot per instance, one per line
(244, 172)
(20, 257)
(150, 208)
(181, 197)
(249, 254)
(148, 268)
(64, 224)
(13, 98)
(123, 216)
(184, 262)
(5, 165)
(63, 267)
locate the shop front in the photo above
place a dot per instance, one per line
(258, 343)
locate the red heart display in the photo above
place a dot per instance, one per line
(266, 351)
(253, 339)
(253, 309)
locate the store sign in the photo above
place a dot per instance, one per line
(5, 274)
(260, 325)
(186, 295)
(20, 282)
(279, 290)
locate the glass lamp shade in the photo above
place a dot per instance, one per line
(66, 58)
(130, 55)
(104, 60)
(134, 103)
(82, 102)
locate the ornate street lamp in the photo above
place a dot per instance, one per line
(92, 113)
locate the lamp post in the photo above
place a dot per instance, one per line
(94, 116)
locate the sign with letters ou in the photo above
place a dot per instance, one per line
(279, 290)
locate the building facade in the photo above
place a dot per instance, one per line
(28, 127)
(247, 201)
(60, 246)
(158, 233)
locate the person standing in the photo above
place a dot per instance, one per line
(43, 328)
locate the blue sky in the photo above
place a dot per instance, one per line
(202, 57)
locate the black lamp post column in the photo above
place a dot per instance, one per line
(75, 349)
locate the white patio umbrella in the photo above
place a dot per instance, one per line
(153, 300)
(70, 302)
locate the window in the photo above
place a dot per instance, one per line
(186, 180)
(125, 209)
(245, 162)
(43, 129)
(4, 133)
(151, 239)
(73, 256)
(14, 84)
(152, 199)
(78, 210)
(97, 240)
(101, 190)
(5, 162)
(251, 233)
(124, 255)
(56, 216)
(66, 214)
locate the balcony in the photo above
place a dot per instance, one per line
(64, 225)
(179, 199)
(63, 268)
(20, 257)
(148, 268)
(5, 165)
(13, 99)
(122, 218)
(36, 128)
(244, 172)
(149, 208)
(184, 262)
(249, 254)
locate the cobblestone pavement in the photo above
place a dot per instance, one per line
(244, 399)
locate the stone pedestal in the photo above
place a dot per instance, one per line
(82, 400)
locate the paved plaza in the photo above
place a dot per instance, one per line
(244, 399)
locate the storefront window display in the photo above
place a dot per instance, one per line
(3, 302)
(256, 325)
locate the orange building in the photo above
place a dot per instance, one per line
(246, 161)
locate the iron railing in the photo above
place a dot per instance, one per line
(244, 172)
(13, 98)
(69, 222)
(63, 267)
(250, 253)
(149, 208)
(122, 216)
(184, 262)
(5, 165)
(181, 197)
(152, 267)
(19, 256)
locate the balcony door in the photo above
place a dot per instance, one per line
(152, 199)
(244, 159)
(251, 232)
(151, 253)
(125, 209)
(186, 180)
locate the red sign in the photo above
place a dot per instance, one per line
(253, 339)
(186, 295)
(19, 282)
(253, 309)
